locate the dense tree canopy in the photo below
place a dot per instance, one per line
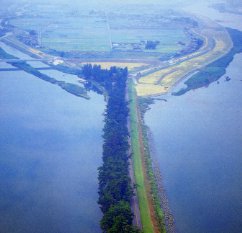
(115, 189)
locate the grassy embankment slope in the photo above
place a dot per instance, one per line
(138, 165)
(143, 186)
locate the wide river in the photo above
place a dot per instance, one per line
(50, 149)
(197, 141)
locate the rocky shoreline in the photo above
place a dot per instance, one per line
(155, 175)
(169, 219)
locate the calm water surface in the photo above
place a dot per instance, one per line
(197, 138)
(50, 148)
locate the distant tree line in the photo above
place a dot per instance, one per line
(115, 189)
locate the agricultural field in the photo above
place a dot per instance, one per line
(88, 30)
(115, 37)
(217, 43)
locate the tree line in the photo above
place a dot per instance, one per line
(115, 190)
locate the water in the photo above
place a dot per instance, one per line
(4, 65)
(60, 76)
(50, 148)
(197, 138)
(203, 8)
(37, 64)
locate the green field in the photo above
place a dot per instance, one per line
(66, 29)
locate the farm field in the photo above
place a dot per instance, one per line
(217, 43)
(88, 30)
(121, 33)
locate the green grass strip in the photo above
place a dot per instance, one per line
(137, 163)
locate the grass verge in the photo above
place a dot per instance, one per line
(160, 217)
(138, 165)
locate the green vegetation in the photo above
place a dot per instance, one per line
(195, 44)
(98, 32)
(68, 70)
(103, 34)
(216, 69)
(143, 106)
(73, 89)
(154, 190)
(112, 172)
(115, 189)
(118, 219)
(137, 161)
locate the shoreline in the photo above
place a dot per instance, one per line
(155, 177)
(157, 203)
(169, 219)
(138, 165)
